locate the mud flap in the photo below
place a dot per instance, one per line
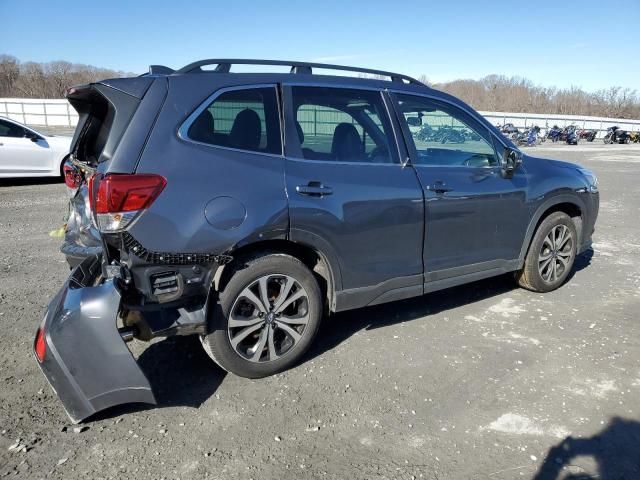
(86, 362)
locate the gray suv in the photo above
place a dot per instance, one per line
(244, 207)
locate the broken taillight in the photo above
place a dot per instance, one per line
(118, 198)
(72, 177)
(40, 345)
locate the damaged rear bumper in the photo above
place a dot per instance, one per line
(86, 361)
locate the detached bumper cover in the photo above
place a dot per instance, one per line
(81, 239)
(86, 362)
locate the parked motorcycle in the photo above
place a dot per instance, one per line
(425, 133)
(616, 135)
(509, 130)
(554, 133)
(588, 135)
(530, 137)
(470, 135)
(448, 135)
(570, 135)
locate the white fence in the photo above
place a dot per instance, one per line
(39, 112)
(58, 112)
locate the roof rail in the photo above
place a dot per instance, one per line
(223, 65)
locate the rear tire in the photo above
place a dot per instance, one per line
(266, 318)
(551, 254)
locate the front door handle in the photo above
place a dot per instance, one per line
(439, 187)
(314, 189)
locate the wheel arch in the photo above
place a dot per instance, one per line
(61, 163)
(323, 266)
(566, 203)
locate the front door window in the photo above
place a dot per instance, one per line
(445, 136)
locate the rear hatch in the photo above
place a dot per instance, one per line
(105, 111)
(115, 117)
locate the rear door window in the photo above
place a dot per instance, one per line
(242, 119)
(344, 125)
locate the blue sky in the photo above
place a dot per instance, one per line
(587, 43)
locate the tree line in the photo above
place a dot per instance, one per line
(495, 93)
(46, 80)
(498, 93)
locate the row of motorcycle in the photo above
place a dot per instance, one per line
(570, 134)
(445, 134)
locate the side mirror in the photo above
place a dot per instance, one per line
(511, 160)
(31, 136)
(414, 121)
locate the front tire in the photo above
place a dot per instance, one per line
(551, 255)
(268, 314)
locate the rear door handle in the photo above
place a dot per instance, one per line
(314, 189)
(439, 188)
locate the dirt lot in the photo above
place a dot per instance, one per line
(481, 381)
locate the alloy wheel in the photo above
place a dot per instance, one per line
(268, 318)
(556, 254)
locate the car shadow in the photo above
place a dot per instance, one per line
(614, 450)
(337, 328)
(582, 261)
(20, 182)
(180, 374)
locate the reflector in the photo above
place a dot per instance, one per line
(40, 345)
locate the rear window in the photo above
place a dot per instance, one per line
(245, 119)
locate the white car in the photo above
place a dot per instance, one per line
(27, 153)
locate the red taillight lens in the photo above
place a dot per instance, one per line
(40, 345)
(90, 184)
(119, 193)
(72, 177)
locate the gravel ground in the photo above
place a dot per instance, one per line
(481, 381)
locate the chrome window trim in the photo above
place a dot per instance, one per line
(344, 86)
(186, 124)
(352, 87)
(338, 162)
(483, 167)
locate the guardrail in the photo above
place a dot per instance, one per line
(58, 112)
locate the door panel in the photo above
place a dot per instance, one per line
(464, 224)
(472, 213)
(372, 219)
(21, 155)
(351, 192)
